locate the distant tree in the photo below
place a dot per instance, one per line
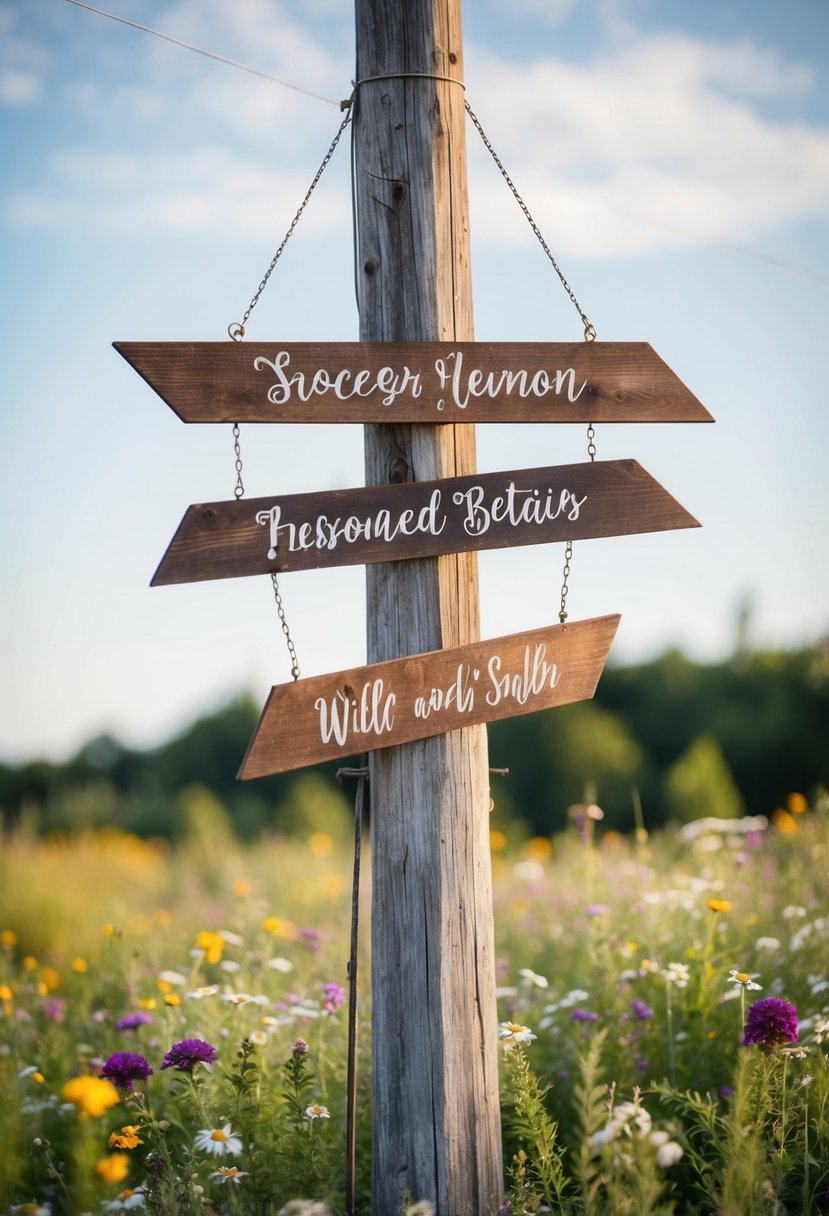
(699, 784)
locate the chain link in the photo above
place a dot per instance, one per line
(568, 557)
(238, 494)
(591, 446)
(589, 328)
(280, 609)
(239, 488)
(236, 329)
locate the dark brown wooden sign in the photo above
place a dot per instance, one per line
(349, 712)
(414, 382)
(423, 519)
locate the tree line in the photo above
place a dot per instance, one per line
(679, 738)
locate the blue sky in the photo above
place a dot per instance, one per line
(676, 158)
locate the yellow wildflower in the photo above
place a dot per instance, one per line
(212, 944)
(30, 963)
(49, 977)
(6, 993)
(91, 1095)
(80, 965)
(109, 930)
(147, 1002)
(797, 804)
(320, 844)
(113, 1168)
(127, 1137)
(172, 999)
(8, 938)
(539, 848)
(785, 823)
(241, 887)
(719, 905)
(497, 840)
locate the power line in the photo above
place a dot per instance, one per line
(740, 251)
(234, 63)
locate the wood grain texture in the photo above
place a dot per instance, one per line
(422, 519)
(435, 1103)
(394, 382)
(334, 716)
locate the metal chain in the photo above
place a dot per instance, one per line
(589, 329)
(238, 494)
(239, 488)
(280, 609)
(236, 329)
(568, 552)
(568, 556)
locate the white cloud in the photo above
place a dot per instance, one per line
(661, 131)
(18, 88)
(23, 62)
(206, 191)
(553, 12)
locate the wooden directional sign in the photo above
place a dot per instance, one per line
(414, 382)
(349, 712)
(388, 523)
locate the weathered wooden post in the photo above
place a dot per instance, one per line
(436, 1123)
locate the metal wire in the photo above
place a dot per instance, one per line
(589, 328)
(188, 46)
(236, 329)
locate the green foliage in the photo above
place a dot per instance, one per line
(594, 934)
(701, 778)
(764, 718)
(537, 1170)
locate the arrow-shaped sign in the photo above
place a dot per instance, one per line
(414, 382)
(350, 712)
(422, 519)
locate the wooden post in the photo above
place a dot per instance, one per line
(436, 1125)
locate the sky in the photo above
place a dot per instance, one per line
(676, 159)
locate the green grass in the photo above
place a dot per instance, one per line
(635, 1096)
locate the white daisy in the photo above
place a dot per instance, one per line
(514, 1032)
(220, 1141)
(743, 979)
(228, 1173)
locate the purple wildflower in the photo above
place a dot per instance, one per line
(584, 1015)
(125, 1067)
(771, 1022)
(300, 1047)
(641, 1010)
(54, 1009)
(133, 1020)
(334, 997)
(188, 1054)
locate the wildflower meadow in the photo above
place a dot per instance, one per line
(173, 1021)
